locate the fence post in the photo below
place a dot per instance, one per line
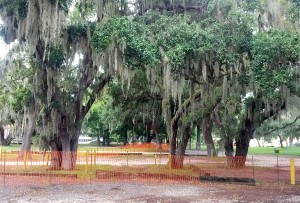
(95, 158)
(4, 167)
(91, 168)
(292, 166)
(277, 170)
(253, 167)
(169, 158)
(86, 161)
(25, 160)
(48, 158)
(127, 158)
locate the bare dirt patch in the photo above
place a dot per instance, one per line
(108, 192)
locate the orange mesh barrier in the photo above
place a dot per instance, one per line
(35, 168)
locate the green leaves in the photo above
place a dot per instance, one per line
(274, 54)
(131, 36)
(22, 98)
(15, 7)
(75, 32)
(56, 56)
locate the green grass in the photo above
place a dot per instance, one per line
(12, 147)
(294, 151)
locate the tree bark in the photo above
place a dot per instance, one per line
(281, 141)
(106, 141)
(98, 140)
(2, 139)
(148, 132)
(177, 160)
(173, 139)
(258, 143)
(228, 146)
(244, 135)
(125, 141)
(291, 144)
(29, 129)
(207, 129)
(198, 139)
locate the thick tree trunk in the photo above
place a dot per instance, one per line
(242, 144)
(67, 163)
(177, 160)
(207, 129)
(29, 129)
(228, 146)
(64, 146)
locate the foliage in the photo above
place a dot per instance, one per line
(22, 98)
(75, 32)
(274, 54)
(294, 10)
(56, 57)
(15, 7)
(62, 4)
(130, 36)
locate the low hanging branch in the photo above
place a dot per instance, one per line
(184, 106)
(284, 126)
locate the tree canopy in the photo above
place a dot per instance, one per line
(231, 64)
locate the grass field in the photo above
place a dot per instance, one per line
(291, 151)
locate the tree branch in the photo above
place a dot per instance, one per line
(284, 126)
(96, 90)
(184, 106)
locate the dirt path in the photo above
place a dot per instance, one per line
(150, 193)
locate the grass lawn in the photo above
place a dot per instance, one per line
(12, 147)
(294, 151)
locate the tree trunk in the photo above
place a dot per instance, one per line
(106, 137)
(198, 140)
(125, 141)
(64, 146)
(98, 140)
(242, 142)
(281, 141)
(207, 129)
(173, 144)
(156, 132)
(258, 143)
(172, 139)
(29, 129)
(148, 132)
(228, 146)
(242, 145)
(2, 139)
(291, 144)
(177, 160)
